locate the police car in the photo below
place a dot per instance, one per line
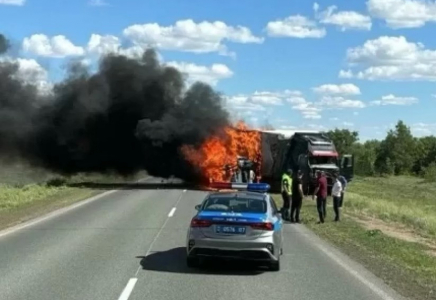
(243, 224)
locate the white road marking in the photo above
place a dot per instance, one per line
(59, 211)
(128, 289)
(172, 212)
(356, 274)
(184, 191)
(158, 234)
(373, 287)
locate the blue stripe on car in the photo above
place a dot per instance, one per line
(232, 217)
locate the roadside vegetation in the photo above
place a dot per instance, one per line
(399, 153)
(26, 192)
(388, 224)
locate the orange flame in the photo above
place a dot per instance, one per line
(220, 151)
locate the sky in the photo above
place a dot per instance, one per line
(360, 65)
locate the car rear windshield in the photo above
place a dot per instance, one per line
(247, 205)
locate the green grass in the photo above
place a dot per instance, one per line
(26, 192)
(407, 266)
(405, 200)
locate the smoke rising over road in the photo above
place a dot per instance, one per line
(130, 115)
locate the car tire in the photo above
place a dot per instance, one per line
(192, 262)
(275, 266)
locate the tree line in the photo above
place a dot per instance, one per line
(399, 153)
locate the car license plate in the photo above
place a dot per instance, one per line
(230, 229)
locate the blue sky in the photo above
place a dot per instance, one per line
(276, 61)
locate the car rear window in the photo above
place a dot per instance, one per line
(247, 205)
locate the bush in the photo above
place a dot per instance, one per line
(429, 173)
(56, 182)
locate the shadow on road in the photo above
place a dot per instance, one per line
(136, 186)
(174, 261)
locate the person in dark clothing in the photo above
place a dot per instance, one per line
(297, 197)
(321, 196)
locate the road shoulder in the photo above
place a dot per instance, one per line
(407, 267)
(64, 199)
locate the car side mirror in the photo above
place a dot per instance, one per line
(198, 207)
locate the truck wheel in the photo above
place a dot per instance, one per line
(192, 262)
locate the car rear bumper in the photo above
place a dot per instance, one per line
(264, 250)
(250, 255)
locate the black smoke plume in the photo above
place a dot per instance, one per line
(130, 115)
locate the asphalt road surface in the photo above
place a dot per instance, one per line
(130, 245)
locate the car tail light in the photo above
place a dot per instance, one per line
(263, 226)
(200, 223)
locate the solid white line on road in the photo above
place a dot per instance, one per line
(356, 274)
(349, 268)
(128, 289)
(54, 213)
(60, 211)
(158, 234)
(172, 212)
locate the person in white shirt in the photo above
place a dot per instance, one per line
(336, 194)
(252, 176)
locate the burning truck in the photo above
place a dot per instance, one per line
(308, 151)
(269, 153)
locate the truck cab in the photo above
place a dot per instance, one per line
(316, 152)
(346, 166)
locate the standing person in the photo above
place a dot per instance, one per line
(344, 185)
(336, 194)
(252, 176)
(286, 192)
(297, 197)
(321, 196)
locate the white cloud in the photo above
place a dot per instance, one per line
(306, 108)
(316, 127)
(210, 75)
(105, 44)
(98, 3)
(348, 124)
(392, 58)
(303, 127)
(102, 45)
(334, 119)
(345, 20)
(259, 101)
(345, 74)
(394, 100)
(31, 72)
(403, 13)
(13, 2)
(334, 89)
(57, 46)
(423, 129)
(186, 35)
(267, 98)
(296, 27)
(336, 102)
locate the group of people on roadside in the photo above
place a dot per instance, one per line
(293, 195)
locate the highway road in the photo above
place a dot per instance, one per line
(129, 244)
